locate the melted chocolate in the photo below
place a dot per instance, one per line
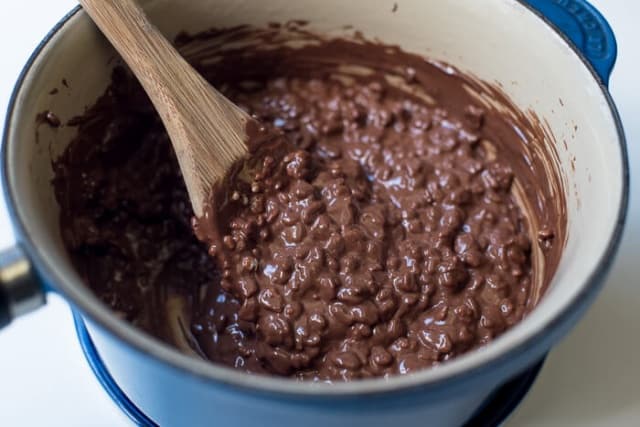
(393, 236)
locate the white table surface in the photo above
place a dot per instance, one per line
(591, 379)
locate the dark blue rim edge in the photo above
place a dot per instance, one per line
(104, 377)
(453, 384)
(496, 409)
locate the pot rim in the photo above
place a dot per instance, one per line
(423, 381)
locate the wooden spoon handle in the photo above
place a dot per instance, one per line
(202, 123)
(138, 41)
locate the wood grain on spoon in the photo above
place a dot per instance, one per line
(208, 132)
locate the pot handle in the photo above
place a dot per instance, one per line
(586, 28)
(20, 289)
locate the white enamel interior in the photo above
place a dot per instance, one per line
(497, 40)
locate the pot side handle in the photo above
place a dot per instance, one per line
(586, 28)
(20, 289)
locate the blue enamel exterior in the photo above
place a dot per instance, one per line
(585, 27)
(493, 413)
(142, 377)
(105, 378)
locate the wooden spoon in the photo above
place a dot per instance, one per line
(208, 131)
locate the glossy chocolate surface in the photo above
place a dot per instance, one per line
(408, 222)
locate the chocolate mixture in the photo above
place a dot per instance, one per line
(391, 238)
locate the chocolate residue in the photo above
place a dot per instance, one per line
(49, 118)
(394, 236)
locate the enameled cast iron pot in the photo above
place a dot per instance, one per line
(551, 56)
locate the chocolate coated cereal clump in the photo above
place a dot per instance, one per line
(386, 240)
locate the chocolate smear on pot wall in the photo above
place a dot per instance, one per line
(400, 228)
(49, 118)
